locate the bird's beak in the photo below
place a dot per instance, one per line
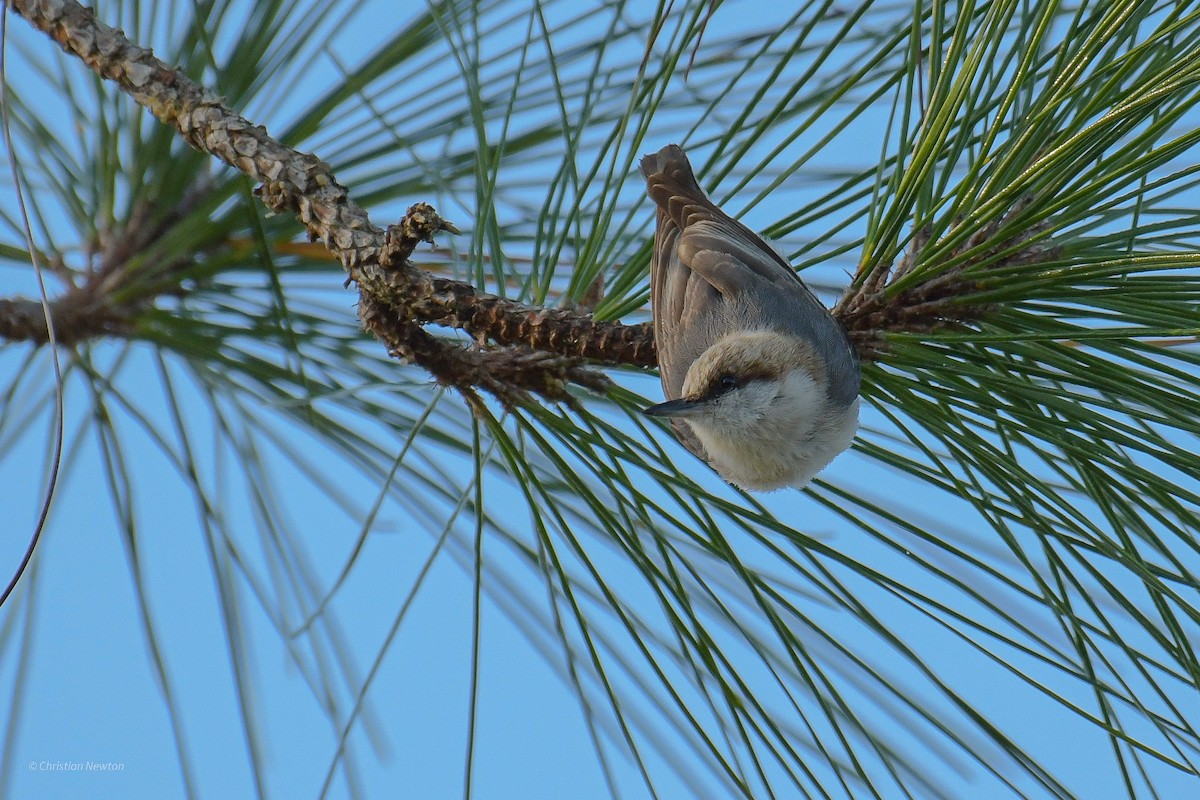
(675, 408)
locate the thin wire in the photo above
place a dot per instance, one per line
(51, 340)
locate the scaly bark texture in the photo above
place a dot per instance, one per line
(527, 349)
(394, 296)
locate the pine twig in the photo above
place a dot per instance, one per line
(303, 185)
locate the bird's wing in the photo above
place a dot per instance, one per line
(700, 253)
(704, 258)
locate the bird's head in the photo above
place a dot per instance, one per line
(757, 401)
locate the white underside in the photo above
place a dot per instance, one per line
(765, 456)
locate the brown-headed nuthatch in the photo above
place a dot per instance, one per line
(761, 381)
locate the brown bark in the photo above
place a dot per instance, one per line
(526, 348)
(303, 185)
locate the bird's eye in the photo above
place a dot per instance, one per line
(727, 383)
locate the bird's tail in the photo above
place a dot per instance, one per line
(669, 172)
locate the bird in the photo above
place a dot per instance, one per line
(761, 381)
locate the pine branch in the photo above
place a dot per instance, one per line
(303, 185)
(395, 297)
